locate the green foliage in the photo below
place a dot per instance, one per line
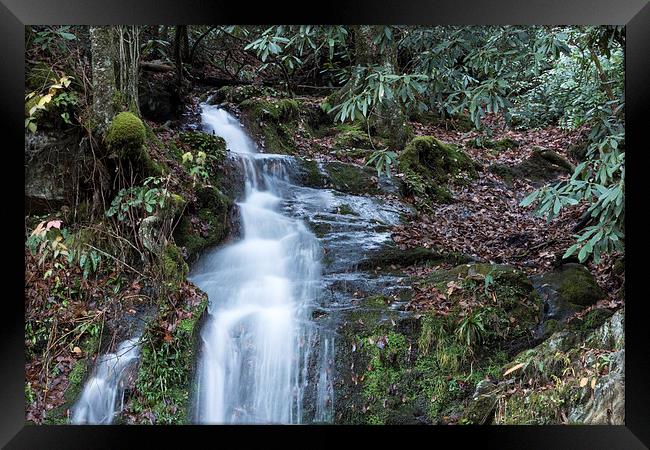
(49, 241)
(599, 181)
(471, 329)
(382, 160)
(51, 38)
(133, 203)
(57, 97)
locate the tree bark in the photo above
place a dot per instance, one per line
(103, 75)
(115, 55)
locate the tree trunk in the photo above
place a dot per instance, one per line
(115, 55)
(103, 75)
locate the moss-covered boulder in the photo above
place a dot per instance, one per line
(126, 137)
(352, 179)
(351, 136)
(343, 177)
(206, 223)
(428, 164)
(272, 122)
(565, 291)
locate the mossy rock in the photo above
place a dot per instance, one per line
(272, 122)
(542, 166)
(351, 136)
(391, 255)
(212, 210)
(497, 145)
(429, 164)
(165, 380)
(396, 367)
(310, 173)
(173, 267)
(352, 179)
(572, 284)
(126, 134)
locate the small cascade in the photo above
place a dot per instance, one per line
(259, 359)
(103, 394)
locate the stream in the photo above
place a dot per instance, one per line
(276, 295)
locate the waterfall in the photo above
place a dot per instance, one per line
(103, 393)
(256, 362)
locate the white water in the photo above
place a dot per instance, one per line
(255, 356)
(103, 394)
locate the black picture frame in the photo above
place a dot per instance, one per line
(15, 14)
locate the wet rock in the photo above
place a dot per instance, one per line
(391, 255)
(566, 290)
(480, 409)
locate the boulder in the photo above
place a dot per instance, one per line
(428, 164)
(566, 290)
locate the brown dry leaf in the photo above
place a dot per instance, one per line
(513, 368)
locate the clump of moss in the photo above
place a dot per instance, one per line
(351, 178)
(273, 121)
(174, 270)
(351, 136)
(498, 145)
(579, 287)
(428, 165)
(126, 134)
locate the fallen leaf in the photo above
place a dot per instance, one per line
(513, 368)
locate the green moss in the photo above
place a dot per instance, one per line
(345, 210)
(579, 287)
(210, 225)
(351, 136)
(273, 121)
(173, 267)
(428, 165)
(310, 173)
(166, 372)
(414, 369)
(352, 179)
(126, 133)
(390, 255)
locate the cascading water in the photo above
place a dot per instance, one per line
(103, 394)
(256, 363)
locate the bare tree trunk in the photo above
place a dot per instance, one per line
(115, 54)
(103, 75)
